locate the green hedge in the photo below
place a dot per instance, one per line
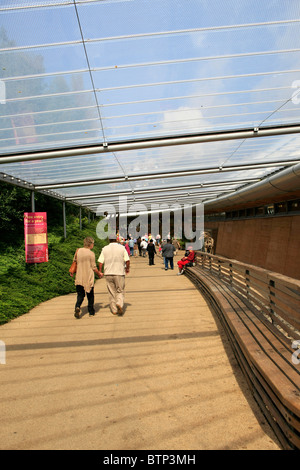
(23, 286)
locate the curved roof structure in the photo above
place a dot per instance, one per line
(157, 101)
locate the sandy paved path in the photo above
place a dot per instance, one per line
(161, 377)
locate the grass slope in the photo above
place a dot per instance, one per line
(23, 286)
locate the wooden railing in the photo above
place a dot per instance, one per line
(277, 297)
(260, 312)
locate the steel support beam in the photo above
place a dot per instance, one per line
(154, 142)
(31, 187)
(132, 199)
(163, 189)
(178, 200)
(170, 174)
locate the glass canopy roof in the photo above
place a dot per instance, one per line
(101, 74)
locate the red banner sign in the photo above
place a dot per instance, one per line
(36, 240)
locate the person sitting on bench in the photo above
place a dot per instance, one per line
(187, 260)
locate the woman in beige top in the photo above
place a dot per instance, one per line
(85, 277)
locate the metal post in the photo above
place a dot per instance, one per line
(64, 219)
(32, 202)
(80, 218)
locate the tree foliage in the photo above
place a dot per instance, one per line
(14, 201)
(23, 286)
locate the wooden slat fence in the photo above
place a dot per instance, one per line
(260, 312)
(276, 296)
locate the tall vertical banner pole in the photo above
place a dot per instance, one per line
(32, 202)
(64, 219)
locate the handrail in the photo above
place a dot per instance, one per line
(275, 296)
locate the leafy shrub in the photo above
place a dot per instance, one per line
(23, 286)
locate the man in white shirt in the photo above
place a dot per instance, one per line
(144, 245)
(116, 263)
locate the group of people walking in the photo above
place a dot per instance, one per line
(114, 261)
(165, 247)
(114, 264)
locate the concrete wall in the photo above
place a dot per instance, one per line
(272, 243)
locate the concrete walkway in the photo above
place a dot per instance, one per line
(162, 377)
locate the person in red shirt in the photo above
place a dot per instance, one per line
(189, 258)
(127, 247)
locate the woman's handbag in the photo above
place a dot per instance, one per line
(73, 267)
